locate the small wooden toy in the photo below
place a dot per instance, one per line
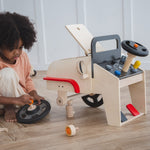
(34, 112)
(71, 130)
(98, 77)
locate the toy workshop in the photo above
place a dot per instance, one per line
(74, 74)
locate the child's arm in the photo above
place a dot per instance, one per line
(22, 100)
(29, 83)
(32, 90)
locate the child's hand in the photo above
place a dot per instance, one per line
(38, 98)
(24, 99)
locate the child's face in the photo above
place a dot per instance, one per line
(13, 55)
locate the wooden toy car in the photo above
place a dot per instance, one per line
(99, 73)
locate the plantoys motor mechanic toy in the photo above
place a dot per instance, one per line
(98, 77)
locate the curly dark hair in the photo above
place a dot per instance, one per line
(13, 27)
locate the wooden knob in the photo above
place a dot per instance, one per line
(71, 130)
(128, 62)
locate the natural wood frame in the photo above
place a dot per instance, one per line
(104, 82)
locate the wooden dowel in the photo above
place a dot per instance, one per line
(128, 62)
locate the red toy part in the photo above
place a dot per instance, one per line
(132, 109)
(71, 81)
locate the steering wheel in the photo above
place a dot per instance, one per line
(134, 49)
(32, 113)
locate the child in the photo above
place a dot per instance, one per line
(16, 86)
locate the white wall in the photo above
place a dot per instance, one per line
(128, 18)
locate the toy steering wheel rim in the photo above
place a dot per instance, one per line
(27, 117)
(134, 48)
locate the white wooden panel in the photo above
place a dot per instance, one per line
(127, 20)
(104, 17)
(59, 43)
(141, 27)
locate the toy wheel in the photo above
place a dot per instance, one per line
(134, 48)
(34, 74)
(71, 130)
(94, 101)
(29, 115)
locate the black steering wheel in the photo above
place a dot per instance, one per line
(28, 114)
(134, 48)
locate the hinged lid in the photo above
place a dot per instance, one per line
(83, 37)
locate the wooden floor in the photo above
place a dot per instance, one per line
(93, 133)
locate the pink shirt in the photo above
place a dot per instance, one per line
(22, 68)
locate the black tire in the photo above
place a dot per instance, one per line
(93, 100)
(35, 72)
